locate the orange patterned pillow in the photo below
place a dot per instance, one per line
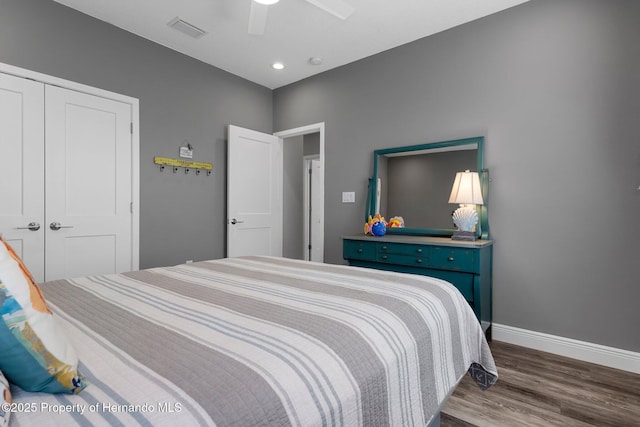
(37, 300)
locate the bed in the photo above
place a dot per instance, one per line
(260, 341)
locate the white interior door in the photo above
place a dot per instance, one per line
(88, 184)
(254, 193)
(316, 213)
(22, 166)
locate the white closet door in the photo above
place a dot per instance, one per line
(88, 184)
(22, 168)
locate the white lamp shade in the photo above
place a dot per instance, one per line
(267, 2)
(466, 189)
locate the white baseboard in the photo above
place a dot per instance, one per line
(581, 350)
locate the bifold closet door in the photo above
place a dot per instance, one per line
(66, 179)
(88, 190)
(22, 169)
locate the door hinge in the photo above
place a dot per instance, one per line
(131, 127)
(131, 207)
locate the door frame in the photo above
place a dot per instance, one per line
(306, 130)
(308, 190)
(135, 140)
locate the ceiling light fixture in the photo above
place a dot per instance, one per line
(267, 2)
(315, 60)
(277, 65)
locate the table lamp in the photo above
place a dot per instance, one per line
(467, 193)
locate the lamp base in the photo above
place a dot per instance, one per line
(468, 236)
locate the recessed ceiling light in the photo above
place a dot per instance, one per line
(277, 65)
(267, 2)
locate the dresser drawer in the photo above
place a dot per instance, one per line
(359, 250)
(400, 259)
(398, 248)
(455, 259)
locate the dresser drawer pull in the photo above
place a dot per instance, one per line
(450, 259)
(360, 250)
(384, 248)
(384, 257)
(419, 261)
(419, 250)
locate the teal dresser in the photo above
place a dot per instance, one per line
(465, 264)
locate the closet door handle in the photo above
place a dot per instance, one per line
(235, 221)
(32, 226)
(55, 226)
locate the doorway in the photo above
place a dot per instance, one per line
(303, 228)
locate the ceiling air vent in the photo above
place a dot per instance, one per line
(184, 27)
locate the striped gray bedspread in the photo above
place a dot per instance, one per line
(261, 341)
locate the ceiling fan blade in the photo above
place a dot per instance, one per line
(257, 18)
(338, 8)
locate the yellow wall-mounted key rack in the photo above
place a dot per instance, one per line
(186, 164)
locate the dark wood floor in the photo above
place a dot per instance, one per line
(542, 389)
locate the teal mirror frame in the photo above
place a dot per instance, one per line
(482, 228)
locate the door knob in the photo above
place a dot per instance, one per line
(55, 226)
(32, 226)
(235, 221)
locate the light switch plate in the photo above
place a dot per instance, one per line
(348, 197)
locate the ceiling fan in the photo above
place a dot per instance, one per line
(259, 8)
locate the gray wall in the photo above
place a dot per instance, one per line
(554, 86)
(182, 216)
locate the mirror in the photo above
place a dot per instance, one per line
(415, 181)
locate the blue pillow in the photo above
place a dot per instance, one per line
(36, 355)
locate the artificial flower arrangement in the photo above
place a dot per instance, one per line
(377, 226)
(396, 222)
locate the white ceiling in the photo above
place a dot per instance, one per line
(295, 31)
